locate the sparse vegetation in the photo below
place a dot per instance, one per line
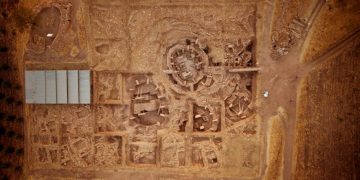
(5, 67)
(2, 130)
(4, 49)
(2, 31)
(18, 168)
(20, 151)
(10, 150)
(11, 117)
(7, 84)
(10, 134)
(5, 165)
(13, 19)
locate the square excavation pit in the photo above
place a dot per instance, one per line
(45, 155)
(108, 87)
(206, 118)
(108, 150)
(111, 118)
(142, 147)
(206, 152)
(170, 84)
(172, 150)
(76, 151)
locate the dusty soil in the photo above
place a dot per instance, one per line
(330, 26)
(327, 122)
(11, 98)
(177, 89)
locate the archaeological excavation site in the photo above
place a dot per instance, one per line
(180, 89)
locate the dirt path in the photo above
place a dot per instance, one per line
(281, 79)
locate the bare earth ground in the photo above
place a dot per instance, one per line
(328, 118)
(177, 90)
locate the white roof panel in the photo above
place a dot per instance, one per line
(39, 96)
(61, 87)
(29, 87)
(50, 87)
(73, 86)
(84, 86)
(58, 87)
